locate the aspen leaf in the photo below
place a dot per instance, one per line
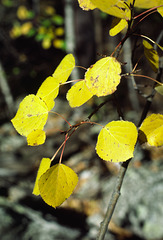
(150, 4)
(36, 137)
(151, 55)
(147, 4)
(116, 141)
(64, 69)
(115, 8)
(57, 184)
(117, 26)
(44, 166)
(31, 115)
(48, 91)
(78, 94)
(86, 5)
(103, 77)
(151, 130)
(159, 89)
(160, 10)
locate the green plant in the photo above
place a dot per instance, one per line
(46, 26)
(117, 139)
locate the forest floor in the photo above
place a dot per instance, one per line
(139, 211)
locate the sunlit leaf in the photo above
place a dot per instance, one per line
(49, 91)
(147, 4)
(160, 10)
(103, 77)
(159, 89)
(86, 5)
(118, 8)
(57, 184)
(151, 130)
(115, 8)
(44, 166)
(65, 68)
(31, 115)
(36, 137)
(78, 94)
(151, 55)
(117, 26)
(116, 141)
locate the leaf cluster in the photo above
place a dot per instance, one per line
(116, 140)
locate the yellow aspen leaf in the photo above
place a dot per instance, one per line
(32, 114)
(36, 137)
(116, 141)
(103, 77)
(48, 91)
(151, 55)
(147, 4)
(44, 166)
(64, 69)
(160, 10)
(86, 5)
(151, 130)
(116, 8)
(159, 89)
(57, 184)
(117, 26)
(78, 94)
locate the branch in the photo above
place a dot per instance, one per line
(6, 92)
(113, 200)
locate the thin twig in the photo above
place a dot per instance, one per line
(97, 108)
(150, 97)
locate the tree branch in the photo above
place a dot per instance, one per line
(113, 200)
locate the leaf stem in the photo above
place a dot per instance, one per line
(72, 81)
(55, 154)
(63, 148)
(145, 17)
(61, 117)
(149, 39)
(81, 67)
(63, 144)
(143, 76)
(149, 10)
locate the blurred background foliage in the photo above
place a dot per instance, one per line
(32, 43)
(47, 26)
